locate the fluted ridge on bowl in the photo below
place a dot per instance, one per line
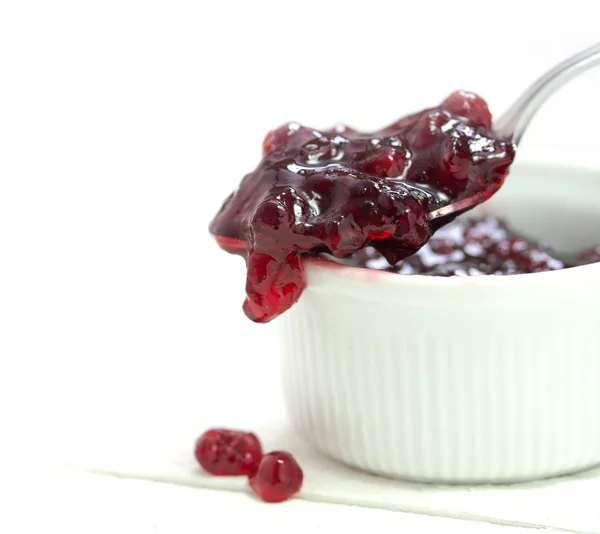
(418, 396)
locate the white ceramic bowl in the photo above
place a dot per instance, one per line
(458, 380)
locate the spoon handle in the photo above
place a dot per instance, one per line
(515, 120)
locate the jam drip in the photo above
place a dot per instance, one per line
(340, 190)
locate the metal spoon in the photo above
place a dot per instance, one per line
(513, 123)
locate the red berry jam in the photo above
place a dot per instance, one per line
(340, 190)
(228, 452)
(277, 478)
(588, 256)
(476, 246)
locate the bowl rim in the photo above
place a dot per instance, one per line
(364, 274)
(568, 275)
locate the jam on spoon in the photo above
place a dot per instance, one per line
(340, 190)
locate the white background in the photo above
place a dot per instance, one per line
(124, 124)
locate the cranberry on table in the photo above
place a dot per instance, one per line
(277, 478)
(340, 190)
(227, 452)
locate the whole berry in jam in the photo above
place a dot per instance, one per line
(227, 452)
(289, 134)
(341, 190)
(470, 106)
(277, 478)
(277, 138)
(385, 162)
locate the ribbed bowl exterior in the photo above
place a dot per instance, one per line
(447, 381)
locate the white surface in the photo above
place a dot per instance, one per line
(71, 503)
(116, 309)
(458, 380)
(164, 454)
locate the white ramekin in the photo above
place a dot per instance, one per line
(458, 380)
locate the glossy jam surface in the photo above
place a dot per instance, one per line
(340, 190)
(476, 246)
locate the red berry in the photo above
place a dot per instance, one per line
(527, 257)
(278, 477)
(470, 106)
(427, 129)
(278, 138)
(589, 256)
(385, 162)
(443, 247)
(318, 151)
(290, 135)
(228, 452)
(456, 161)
